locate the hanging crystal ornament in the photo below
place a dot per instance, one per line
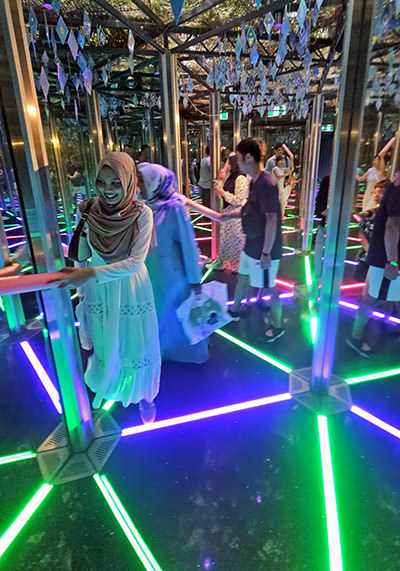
(243, 41)
(251, 37)
(46, 26)
(81, 40)
(274, 70)
(81, 61)
(261, 28)
(307, 59)
(254, 55)
(32, 21)
(88, 78)
(316, 11)
(44, 82)
(285, 26)
(76, 110)
(87, 25)
(316, 73)
(131, 42)
(269, 22)
(62, 30)
(45, 59)
(62, 78)
(33, 46)
(257, 3)
(73, 44)
(56, 4)
(68, 94)
(238, 47)
(282, 51)
(302, 13)
(101, 36)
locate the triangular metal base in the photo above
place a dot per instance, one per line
(337, 400)
(59, 464)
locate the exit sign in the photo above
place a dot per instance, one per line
(224, 116)
(278, 110)
(327, 128)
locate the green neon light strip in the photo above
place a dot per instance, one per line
(202, 228)
(372, 376)
(17, 457)
(254, 351)
(135, 539)
(313, 329)
(108, 405)
(332, 521)
(198, 218)
(75, 296)
(2, 304)
(27, 269)
(307, 269)
(354, 247)
(208, 272)
(22, 519)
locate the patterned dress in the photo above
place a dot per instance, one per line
(232, 238)
(118, 320)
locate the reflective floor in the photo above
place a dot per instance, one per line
(239, 491)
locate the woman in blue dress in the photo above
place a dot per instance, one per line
(174, 264)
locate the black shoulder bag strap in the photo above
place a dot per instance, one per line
(74, 244)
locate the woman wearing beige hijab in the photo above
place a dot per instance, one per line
(117, 313)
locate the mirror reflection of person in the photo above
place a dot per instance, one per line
(373, 175)
(117, 312)
(235, 192)
(383, 280)
(174, 264)
(145, 154)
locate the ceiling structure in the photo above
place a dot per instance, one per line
(206, 44)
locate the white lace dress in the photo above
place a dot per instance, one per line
(118, 319)
(232, 238)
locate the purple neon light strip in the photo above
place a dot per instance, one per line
(376, 421)
(205, 414)
(43, 376)
(377, 314)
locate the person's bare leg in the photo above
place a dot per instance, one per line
(276, 311)
(240, 292)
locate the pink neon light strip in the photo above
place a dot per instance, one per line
(353, 239)
(205, 414)
(353, 286)
(285, 283)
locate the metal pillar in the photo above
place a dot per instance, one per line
(12, 303)
(356, 57)
(185, 157)
(61, 174)
(148, 133)
(305, 163)
(249, 127)
(312, 168)
(377, 134)
(396, 154)
(203, 140)
(95, 127)
(25, 135)
(171, 127)
(236, 127)
(215, 154)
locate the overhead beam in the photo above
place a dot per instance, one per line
(332, 51)
(253, 15)
(201, 9)
(148, 12)
(195, 76)
(107, 7)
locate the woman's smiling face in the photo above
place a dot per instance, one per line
(109, 186)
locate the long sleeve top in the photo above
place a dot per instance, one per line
(241, 191)
(132, 264)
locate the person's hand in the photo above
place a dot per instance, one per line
(9, 269)
(391, 272)
(75, 277)
(265, 261)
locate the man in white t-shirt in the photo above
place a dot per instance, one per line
(373, 175)
(205, 178)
